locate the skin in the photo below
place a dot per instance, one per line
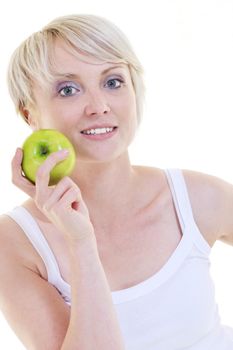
(107, 198)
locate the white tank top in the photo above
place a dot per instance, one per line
(175, 308)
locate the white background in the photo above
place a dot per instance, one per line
(186, 48)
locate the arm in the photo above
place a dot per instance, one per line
(37, 313)
(33, 308)
(212, 202)
(92, 322)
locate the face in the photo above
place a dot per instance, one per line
(93, 103)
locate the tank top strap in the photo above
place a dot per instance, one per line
(31, 229)
(183, 207)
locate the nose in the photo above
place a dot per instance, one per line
(96, 104)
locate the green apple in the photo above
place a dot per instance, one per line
(38, 146)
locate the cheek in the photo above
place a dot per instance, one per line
(57, 118)
(67, 113)
(129, 113)
(128, 102)
(130, 109)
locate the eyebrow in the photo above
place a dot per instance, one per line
(76, 76)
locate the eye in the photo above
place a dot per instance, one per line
(114, 83)
(68, 90)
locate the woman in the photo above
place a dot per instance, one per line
(115, 256)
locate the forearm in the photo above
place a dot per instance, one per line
(93, 321)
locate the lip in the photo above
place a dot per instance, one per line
(101, 137)
(98, 126)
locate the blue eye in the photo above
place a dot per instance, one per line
(68, 90)
(114, 83)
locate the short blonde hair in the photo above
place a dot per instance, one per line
(84, 34)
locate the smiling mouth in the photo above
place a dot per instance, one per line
(98, 131)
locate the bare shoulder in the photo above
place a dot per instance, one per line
(212, 202)
(10, 237)
(15, 245)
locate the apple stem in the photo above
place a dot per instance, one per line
(43, 150)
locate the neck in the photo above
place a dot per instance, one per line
(105, 186)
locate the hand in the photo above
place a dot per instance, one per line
(62, 204)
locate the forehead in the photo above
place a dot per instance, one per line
(65, 60)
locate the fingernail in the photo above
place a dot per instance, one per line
(64, 152)
(18, 151)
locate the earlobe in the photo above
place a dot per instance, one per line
(25, 113)
(28, 118)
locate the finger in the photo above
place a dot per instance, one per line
(78, 204)
(63, 186)
(43, 172)
(66, 212)
(71, 198)
(18, 179)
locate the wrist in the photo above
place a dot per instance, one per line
(83, 247)
(84, 261)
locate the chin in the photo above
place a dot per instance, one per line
(102, 157)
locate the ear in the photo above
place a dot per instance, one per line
(30, 120)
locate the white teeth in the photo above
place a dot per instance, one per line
(97, 131)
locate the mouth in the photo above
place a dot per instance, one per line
(99, 131)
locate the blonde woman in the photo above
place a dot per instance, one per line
(116, 256)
